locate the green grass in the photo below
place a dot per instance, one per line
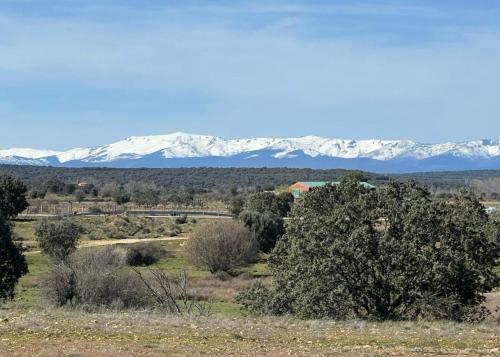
(28, 292)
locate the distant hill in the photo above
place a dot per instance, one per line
(208, 178)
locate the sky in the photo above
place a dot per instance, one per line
(89, 72)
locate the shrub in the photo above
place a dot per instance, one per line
(144, 254)
(394, 253)
(221, 246)
(181, 219)
(58, 238)
(94, 278)
(95, 210)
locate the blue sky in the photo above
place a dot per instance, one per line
(85, 73)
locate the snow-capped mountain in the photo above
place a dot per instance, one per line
(183, 150)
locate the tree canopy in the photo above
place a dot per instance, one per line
(12, 261)
(392, 253)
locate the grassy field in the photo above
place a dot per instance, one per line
(58, 332)
(203, 285)
(29, 327)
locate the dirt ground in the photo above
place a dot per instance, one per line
(51, 332)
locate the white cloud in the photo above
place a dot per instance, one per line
(260, 67)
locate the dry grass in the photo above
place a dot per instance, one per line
(60, 332)
(221, 290)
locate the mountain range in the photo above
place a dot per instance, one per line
(189, 150)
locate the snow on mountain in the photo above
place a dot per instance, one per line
(154, 151)
(27, 153)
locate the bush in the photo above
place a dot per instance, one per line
(221, 246)
(94, 278)
(144, 254)
(95, 210)
(394, 253)
(58, 239)
(181, 219)
(97, 278)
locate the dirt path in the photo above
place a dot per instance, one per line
(105, 242)
(99, 243)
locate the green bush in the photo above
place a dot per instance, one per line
(181, 219)
(143, 254)
(57, 238)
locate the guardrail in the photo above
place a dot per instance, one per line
(144, 213)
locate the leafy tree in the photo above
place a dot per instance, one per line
(147, 195)
(70, 188)
(389, 254)
(266, 227)
(54, 185)
(263, 216)
(57, 239)
(236, 206)
(270, 202)
(120, 196)
(12, 196)
(79, 195)
(12, 262)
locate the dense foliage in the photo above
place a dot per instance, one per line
(263, 216)
(12, 261)
(393, 253)
(12, 196)
(57, 238)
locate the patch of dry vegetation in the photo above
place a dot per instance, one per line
(60, 332)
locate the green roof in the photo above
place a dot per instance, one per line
(323, 183)
(317, 183)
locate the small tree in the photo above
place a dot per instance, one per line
(236, 206)
(12, 197)
(58, 239)
(279, 204)
(221, 246)
(79, 195)
(120, 196)
(263, 216)
(266, 227)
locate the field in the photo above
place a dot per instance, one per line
(28, 326)
(59, 332)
